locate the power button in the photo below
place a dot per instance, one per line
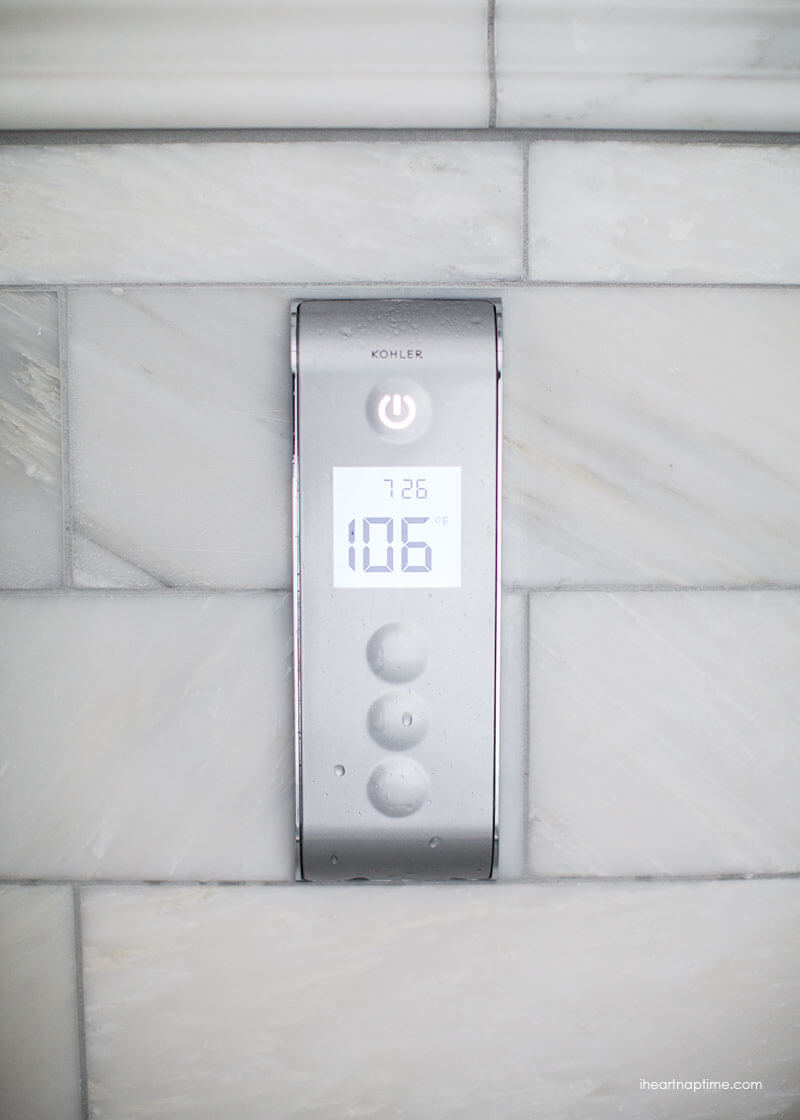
(399, 410)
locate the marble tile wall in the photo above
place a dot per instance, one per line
(383, 63)
(158, 959)
(31, 548)
(40, 1034)
(400, 64)
(393, 1018)
(651, 64)
(691, 210)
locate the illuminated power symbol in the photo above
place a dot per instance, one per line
(403, 411)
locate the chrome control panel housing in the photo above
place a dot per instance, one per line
(396, 512)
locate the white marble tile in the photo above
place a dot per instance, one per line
(30, 441)
(181, 437)
(442, 1002)
(650, 437)
(96, 567)
(588, 64)
(387, 63)
(39, 1070)
(664, 212)
(664, 732)
(248, 211)
(146, 736)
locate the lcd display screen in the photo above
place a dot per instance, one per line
(396, 527)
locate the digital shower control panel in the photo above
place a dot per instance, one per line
(396, 530)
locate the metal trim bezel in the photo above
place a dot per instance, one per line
(298, 753)
(498, 625)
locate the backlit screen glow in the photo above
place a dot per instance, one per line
(396, 527)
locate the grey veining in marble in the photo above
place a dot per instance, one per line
(647, 438)
(181, 435)
(146, 737)
(453, 1003)
(39, 1059)
(664, 733)
(664, 212)
(30, 441)
(256, 63)
(95, 567)
(633, 64)
(651, 437)
(250, 212)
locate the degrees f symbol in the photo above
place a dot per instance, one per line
(403, 411)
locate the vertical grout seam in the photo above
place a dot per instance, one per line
(526, 747)
(81, 1001)
(526, 204)
(66, 456)
(491, 57)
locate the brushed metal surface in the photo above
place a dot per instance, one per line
(375, 801)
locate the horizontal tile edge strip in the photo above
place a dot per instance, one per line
(174, 591)
(370, 135)
(180, 592)
(528, 880)
(374, 286)
(189, 591)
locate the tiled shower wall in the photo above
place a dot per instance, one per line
(153, 963)
(156, 957)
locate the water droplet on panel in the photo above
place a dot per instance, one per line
(398, 720)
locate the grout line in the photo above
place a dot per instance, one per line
(491, 55)
(177, 591)
(450, 285)
(81, 1001)
(526, 212)
(526, 750)
(61, 137)
(174, 591)
(686, 877)
(78, 885)
(652, 589)
(88, 884)
(666, 285)
(66, 450)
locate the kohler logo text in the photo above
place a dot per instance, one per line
(403, 355)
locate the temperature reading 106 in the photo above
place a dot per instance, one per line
(396, 529)
(376, 545)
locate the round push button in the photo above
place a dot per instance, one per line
(398, 788)
(398, 720)
(398, 652)
(399, 410)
